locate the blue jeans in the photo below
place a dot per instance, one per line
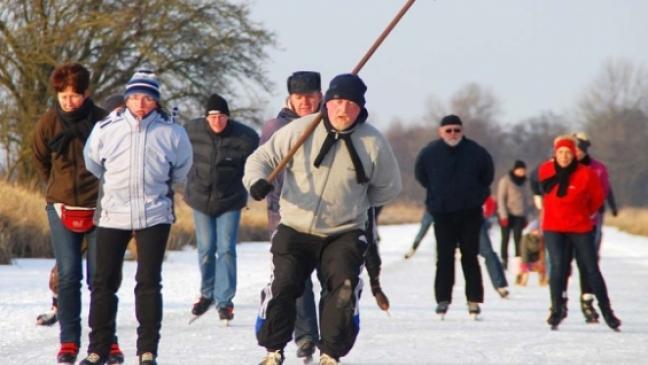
(67, 251)
(426, 222)
(216, 240)
(560, 247)
(493, 264)
(306, 318)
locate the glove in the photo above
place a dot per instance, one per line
(260, 189)
(503, 222)
(381, 299)
(615, 212)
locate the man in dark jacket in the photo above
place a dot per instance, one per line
(216, 194)
(456, 173)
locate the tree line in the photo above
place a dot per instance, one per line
(613, 111)
(199, 46)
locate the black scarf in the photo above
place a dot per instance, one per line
(333, 136)
(517, 180)
(76, 124)
(586, 160)
(561, 178)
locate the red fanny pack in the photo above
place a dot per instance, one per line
(79, 220)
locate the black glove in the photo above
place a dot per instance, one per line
(260, 189)
(381, 299)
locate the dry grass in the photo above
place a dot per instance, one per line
(631, 220)
(401, 213)
(24, 230)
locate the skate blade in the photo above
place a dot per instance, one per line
(442, 316)
(474, 316)
(193, 319)
(225, 322)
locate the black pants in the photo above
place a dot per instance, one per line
(516, 225)
(561, 246)
(111, 246)
(338, 260)
(585, 286)
(452, 229)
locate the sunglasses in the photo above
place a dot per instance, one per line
(452, 130)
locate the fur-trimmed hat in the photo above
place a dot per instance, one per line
(304, 82)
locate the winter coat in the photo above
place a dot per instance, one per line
(512, 199)
(455, 178)
(284, 117)
(68, 181)
(138, 161)
(573, 212)
(327, 200)
(214, 182)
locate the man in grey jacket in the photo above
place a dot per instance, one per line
(328, 188)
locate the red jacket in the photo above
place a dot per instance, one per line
(573, 212)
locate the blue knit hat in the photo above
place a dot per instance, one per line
(144, 81)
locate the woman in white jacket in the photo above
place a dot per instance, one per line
(137, 152)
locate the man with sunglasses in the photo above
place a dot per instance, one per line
(456, 173)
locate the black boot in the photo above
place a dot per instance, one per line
(556, 314)
(608, 315)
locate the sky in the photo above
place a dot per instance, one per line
(511, 331)
(534, 55)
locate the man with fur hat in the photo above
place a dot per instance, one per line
(216, 194)
(343, 168)
(456, 173)
(513, 206)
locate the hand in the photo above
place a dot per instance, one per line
(260, 189)
(381, 299)
(503, 222)
(614, 212)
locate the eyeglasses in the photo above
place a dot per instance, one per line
(452, 130)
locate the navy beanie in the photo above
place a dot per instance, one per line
(304, 82)
(216, 103)
(144, 81)
(519, 164)
(346, 86)
(450, 120)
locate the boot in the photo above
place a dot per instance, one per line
(273, 358)
(68, 353)
(608, 315)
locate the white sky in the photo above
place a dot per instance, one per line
(534, 55)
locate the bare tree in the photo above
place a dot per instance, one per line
(196, 47)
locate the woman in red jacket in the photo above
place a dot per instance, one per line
(572, 195)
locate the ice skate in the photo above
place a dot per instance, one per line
(68, 353)
(305, 351)
(200, 307)
(474, 310)
(442, 309)
(226, 314)
(587, 307)
(273, 358)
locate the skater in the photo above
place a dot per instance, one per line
(216, 194)
(344, 167)
(572, 195)
(138, 152)
(493, 264)
(304, 98)
(71, 194)
(582, 148)
(426, 222)
(514, 205)
(456, 173)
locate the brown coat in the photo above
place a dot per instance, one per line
(66, 177)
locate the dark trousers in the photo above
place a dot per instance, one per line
(561, 246)
(516, 225)
(338, 260)
(585, 286)
(458, 228)
(111, 246)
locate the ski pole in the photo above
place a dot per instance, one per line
(311, 127)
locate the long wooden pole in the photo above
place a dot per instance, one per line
(311, 127)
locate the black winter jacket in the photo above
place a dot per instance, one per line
(214, 183)
(455, 178)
